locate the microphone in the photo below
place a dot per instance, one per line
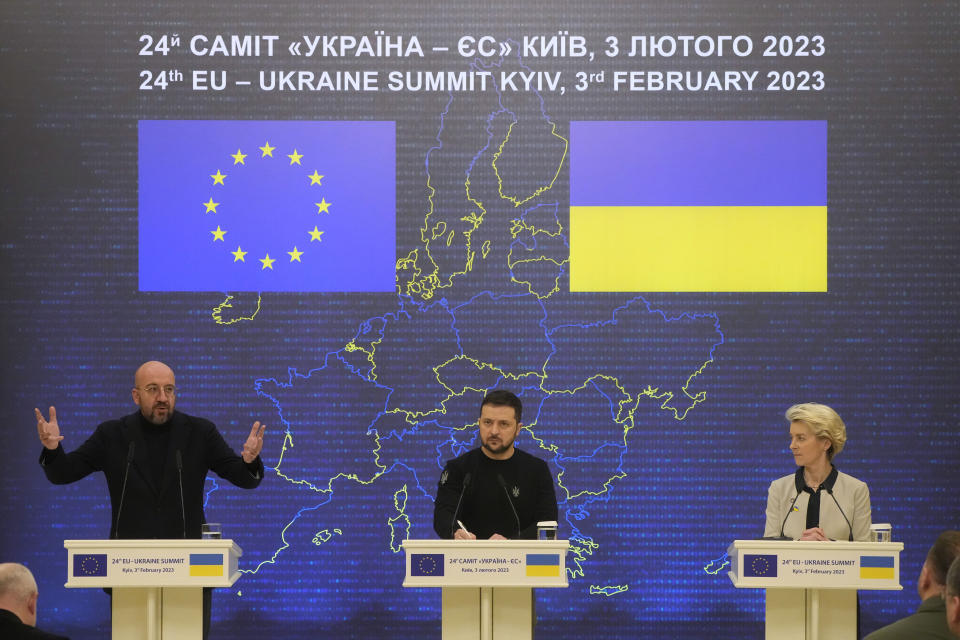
(453, 521)
(503, 484)
(123, 491)
(789, 511)
(183, 514)
(850, 526)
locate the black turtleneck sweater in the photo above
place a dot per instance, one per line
(486, 505)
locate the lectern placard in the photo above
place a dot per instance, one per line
(486, 563)
(818, 565)
(155, 563)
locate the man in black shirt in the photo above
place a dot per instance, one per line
(495, 491)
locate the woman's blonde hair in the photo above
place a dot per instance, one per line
(823, 421)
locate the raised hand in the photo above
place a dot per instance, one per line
(48, 430)
(254, 443)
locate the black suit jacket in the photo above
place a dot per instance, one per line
(11, 628)
(151, 511)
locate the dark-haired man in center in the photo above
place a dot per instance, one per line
(495, 491)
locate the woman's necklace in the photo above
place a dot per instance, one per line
(810, 483)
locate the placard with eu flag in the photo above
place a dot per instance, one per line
(267, 206)
(90, 565)
(698, 206)
(426, 564)
(759, 566)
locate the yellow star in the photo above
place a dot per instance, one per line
(315, 234)
(315, 178)
(238, 157)
(295, 157)
(218, 177)
(267, 150)
(323, 206)
(295, 255)
(238, 254)
(267, 263)
(211, 205)
(218, 234)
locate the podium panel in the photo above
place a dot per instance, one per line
(812, 586)
(487, 585)
(819, 565)
(157, 584)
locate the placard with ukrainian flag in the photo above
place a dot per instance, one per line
(267, 205)
(698, 206)
(543, 565)
(206, 564)
(877, 567)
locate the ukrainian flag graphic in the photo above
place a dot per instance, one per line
(876, 567)
(698, 206)
(206, 564)
(543, 565)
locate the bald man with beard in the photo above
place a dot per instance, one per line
(148, 456)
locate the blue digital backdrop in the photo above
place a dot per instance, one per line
(660, 414)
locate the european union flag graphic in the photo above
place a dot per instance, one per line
(267, 205)
(759, 566)
(90, 565)
(426, 564)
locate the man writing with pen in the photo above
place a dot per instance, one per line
(495, 491)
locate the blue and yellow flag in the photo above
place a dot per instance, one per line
(543, 565)
(267, 205)
(877, 567)
(698, 206)
(206, 564)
